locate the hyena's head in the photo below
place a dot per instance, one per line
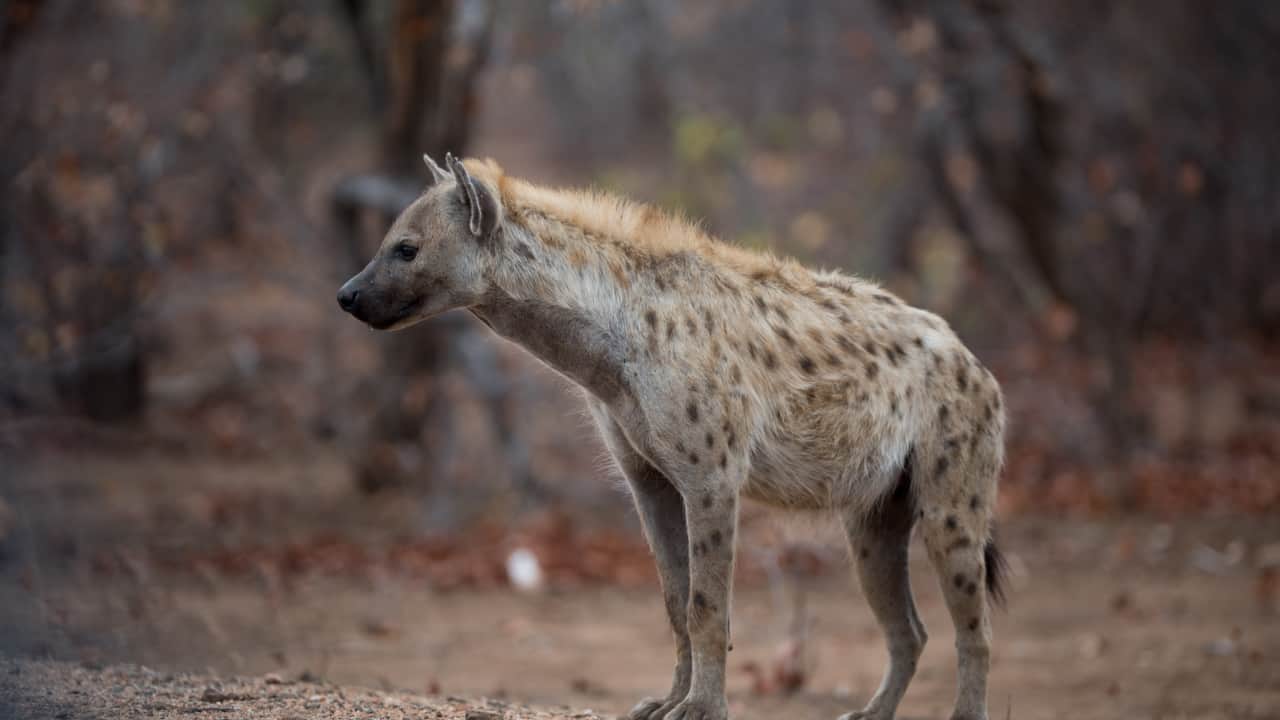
(434, 258)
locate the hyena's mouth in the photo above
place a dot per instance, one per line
(406, 311)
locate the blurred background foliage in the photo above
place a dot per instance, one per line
(205, 464)
(1088, 191)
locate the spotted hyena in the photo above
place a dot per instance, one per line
(715, 373)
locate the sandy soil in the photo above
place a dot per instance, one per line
(1107, 619)
(45, 689)
(1098, 642)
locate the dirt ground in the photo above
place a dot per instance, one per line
(1134, 618)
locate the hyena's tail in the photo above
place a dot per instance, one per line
(997, 571)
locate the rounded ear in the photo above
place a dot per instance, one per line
(482, 206)
(437, 173)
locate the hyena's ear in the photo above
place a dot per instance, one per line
(437, 173)
(483, 208)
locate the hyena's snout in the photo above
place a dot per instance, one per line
(349, 299)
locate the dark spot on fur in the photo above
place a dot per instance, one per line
(699, 599)
(692, 411)
(716, 538)
(735, 373)
(806, 364)
(706, 501)
(710, 440)
(651, 317)
(770, 360)
(873, 369)
(918, 342)
(865, 553)
(690, 325)
(679, 447)
(832, 360)
(943, 412)
(951, 522)
(724, 461)
(893, 403)
(971, 588)
(731, 440)
(846, 344)
(973, 624)
(523, 251)
(973, 502)
(785, 335)
(871, 348)
(781, 313)
(959, 580)
(962, 379)
(671, 329)
(761, 304)
(693, 458)
(709, 320)
(751, 349)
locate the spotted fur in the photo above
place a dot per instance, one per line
(716, 373)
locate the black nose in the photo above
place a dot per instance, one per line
(347, 298)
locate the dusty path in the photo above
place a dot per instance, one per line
(1108, 619)
(40, 690)
(1091, 640)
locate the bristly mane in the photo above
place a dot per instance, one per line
(638, 227)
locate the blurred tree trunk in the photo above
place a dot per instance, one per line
(98, 370)
(1018, 168)
(420, 43)
(429, 106)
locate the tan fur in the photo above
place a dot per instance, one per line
(716, 372)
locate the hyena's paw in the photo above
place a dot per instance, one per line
(652, 709)
(692, 708)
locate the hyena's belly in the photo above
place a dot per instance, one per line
(828, 460)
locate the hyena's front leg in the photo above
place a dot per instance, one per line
(711, 510)
(661, 510)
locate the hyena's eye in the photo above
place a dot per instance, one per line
(406, 252)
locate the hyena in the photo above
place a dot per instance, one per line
(715, 373)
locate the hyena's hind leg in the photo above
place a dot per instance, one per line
(662, 513)
(879, 543)
(957, 485)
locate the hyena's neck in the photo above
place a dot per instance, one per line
(561, 296)
(554, 262)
